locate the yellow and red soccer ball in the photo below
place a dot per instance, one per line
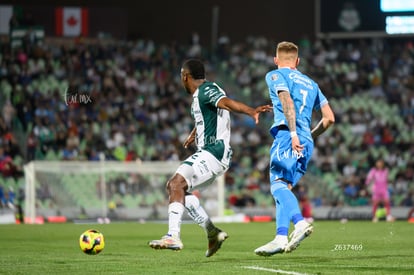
(91, 242)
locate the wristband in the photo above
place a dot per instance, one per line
(293, 134)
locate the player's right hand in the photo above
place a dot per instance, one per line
(296, 146)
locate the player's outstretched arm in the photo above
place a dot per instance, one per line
(239, 107)
(327, 120)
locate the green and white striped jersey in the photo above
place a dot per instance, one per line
(212, 123)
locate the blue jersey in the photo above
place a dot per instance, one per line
(305, 94)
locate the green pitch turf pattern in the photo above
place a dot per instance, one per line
(355, 247)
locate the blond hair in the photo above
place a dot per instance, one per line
(287, 51)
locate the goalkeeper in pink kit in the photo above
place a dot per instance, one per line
(378, 177)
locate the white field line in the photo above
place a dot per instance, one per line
(273, 270)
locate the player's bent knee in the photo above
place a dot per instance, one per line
(177, 184)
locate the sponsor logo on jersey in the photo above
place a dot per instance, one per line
(274, 77)
(301, 80)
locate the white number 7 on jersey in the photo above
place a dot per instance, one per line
(304, 95)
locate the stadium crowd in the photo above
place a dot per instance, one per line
(124, 99)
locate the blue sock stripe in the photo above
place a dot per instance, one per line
(296, 218)
(283, 231)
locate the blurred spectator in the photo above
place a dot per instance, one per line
(377, 178)
(8, 113)
(245, 200)
(7, 167)
(305, 205)
(2, 197)
(14, 21)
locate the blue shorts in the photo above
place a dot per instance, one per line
(285, 163)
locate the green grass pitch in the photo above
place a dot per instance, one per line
(355, 247)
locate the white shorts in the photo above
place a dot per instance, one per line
(201, 169)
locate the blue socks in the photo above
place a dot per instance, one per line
(287, 207)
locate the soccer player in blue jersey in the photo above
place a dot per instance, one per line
(210, 110)
(294, 96)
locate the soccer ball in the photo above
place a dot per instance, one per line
(92, 242)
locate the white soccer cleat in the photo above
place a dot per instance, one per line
(271, 248)
(167, 242)
(298, 235)
(215, 240)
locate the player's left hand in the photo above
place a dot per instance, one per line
(261, 109)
